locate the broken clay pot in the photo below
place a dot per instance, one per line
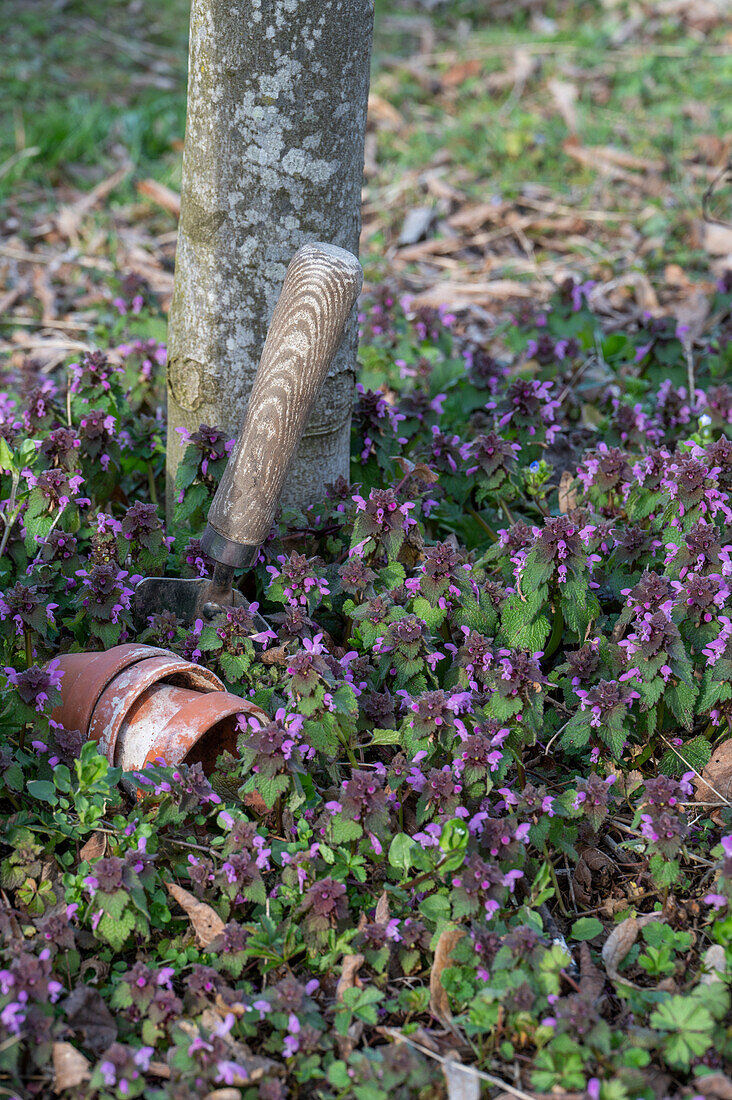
(143, 704)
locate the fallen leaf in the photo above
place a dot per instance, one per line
(161, 195)
(94, 847)
(717, 239)
(70, 1067)
(90, 1019)
(619, 943)
(715, 1085)
(207, 924)
(383, 111)
(714, 962)
(382, 909)
(715, 783)
(462, 1081)
(567, 494)
(439, 1003)
(565, 97)
(417, 224)
(349, 975)
(223, 1094)
(460, 72)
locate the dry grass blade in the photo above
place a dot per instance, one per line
(206, 922)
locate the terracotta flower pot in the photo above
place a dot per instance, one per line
(143, 704)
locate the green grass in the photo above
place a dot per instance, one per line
(88, 86)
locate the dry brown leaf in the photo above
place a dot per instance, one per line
(349, 975)
(567, 495)
(384, 112)
(161, 195)
(620, 941)
(439, 1003)
(618, 944)
(715, 784)
(715, 1085)
(70, 1067)
(207, 924)
(462, 1081)
(460, 72)
(565, 97)
(382, 909)
(94, 847)
(224, 1094)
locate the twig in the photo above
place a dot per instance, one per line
(497, 1082)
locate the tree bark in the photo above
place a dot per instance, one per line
(273, 158)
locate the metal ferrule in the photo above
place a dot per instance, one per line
(236, 554)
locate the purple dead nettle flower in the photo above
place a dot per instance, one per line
(299, 577)
(546, 350)
(375, 416)
(608, 697)
(606, 469)
(97, 432)
(665, 822)
(58, 487)
(35, 684)
(382, 513)
(632, 424)
(278, 738)
(706, 595)
(691, 483)
(529, 406)
(448, 453)
(584, 662)
(26, 607)
(651, 593)
(653, 633)
(717, 648)
(106, 594)
(673, 406)
(493, 455)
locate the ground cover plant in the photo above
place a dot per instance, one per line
(475, 827)
(488, 824)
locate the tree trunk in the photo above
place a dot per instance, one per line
(273, 158)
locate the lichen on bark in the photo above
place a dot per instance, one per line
(273, 158)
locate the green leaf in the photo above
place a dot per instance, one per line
(43, 790)
(400, 852)
(680, 700)
(694, 756)
(116, 931)
(586, 928)
(525, 623)
(434, 616)
(689, 1026)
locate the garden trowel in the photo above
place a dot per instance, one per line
(319, 291)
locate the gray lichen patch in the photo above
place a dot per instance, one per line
(273, 158)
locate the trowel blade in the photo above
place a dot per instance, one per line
(188, 598)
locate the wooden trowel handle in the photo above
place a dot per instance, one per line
(319, 291)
